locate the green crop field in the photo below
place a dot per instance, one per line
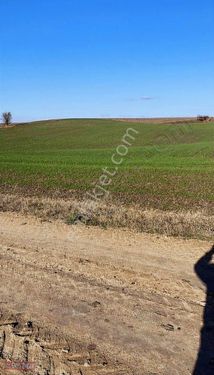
(167, 166)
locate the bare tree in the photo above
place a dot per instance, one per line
(7, 118)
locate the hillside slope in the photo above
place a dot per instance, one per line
(167, 166)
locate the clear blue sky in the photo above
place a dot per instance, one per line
(106, 58)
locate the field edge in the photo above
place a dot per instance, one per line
(106, 214)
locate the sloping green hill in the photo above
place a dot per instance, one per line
(166, 166)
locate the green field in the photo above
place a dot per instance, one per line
(167, 166)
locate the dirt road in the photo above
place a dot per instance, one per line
(77, 300)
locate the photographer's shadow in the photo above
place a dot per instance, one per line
(205, 361)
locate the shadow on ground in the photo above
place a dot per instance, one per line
(204, 269)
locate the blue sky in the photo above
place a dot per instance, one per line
(106, 58)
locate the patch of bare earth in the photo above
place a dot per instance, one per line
(26, 347)
(160, 120)
(79, 300)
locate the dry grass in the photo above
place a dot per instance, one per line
(161, 120)
(7, 126)
(106, 214)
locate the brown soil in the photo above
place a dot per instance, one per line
(161, 120)
(77, 300)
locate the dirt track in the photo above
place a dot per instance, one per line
(77, 300)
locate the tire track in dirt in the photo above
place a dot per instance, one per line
(133, 298)
(47, 353)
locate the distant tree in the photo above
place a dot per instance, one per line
(7, 118)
